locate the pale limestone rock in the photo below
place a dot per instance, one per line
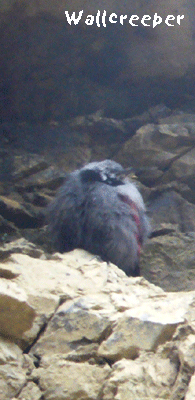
(72, 324)
(147, 378)
(20, 245)
(65, 380)
(146, 325)
(64, 276)
(190, 395)
(9, 352)
(92, 313)
(45, 282)
(30, 392)
(8, 271)
(187, 351)
(67, 275)
(12, 373)
(132, 335)
(167, 308)
(45, 306)
(16, 314)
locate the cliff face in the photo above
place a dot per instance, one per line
(52, 70)
(71, 326)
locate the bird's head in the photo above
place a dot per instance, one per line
(107, 171)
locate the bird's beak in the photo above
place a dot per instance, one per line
(127, 172)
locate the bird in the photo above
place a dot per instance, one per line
(100, 210)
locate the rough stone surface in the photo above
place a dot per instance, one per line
(187, 351)
(15, 212)
(149, 377)
(190, 395)
(131, 335)
(73, 327)
(168, 260)
(19, 246)
(30, 392)
(91, 68)
(12, 369)
(64, 380)
(97, 334)
(170, 207)
(166, 150)
(73, 323)
(16, 314)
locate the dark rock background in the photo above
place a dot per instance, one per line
(53, 71)
(72, 94)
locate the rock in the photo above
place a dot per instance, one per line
(190, 395)
(187, 351)
(183, 168)
(105, 133)
(8, 231)
(132, 335)
(48, 178)
(8, 272)
(144, 327)
(180, 118)
(168, 260)
(165, 153)
(170, 207)
(12, 370)
(16, 213)
(46, 282)
(16, 314)
(97, 334)
(20, 246)
(74, 324)
(173, 186)
(146, 378)
(145, 149)
(26, 165)
(105, 81)
(65, 380)
(30, 392)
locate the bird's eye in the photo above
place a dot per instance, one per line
(89, 175)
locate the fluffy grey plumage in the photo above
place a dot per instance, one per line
(98, 210)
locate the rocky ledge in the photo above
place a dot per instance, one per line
(78, 328)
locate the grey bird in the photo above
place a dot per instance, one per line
(99, 210)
